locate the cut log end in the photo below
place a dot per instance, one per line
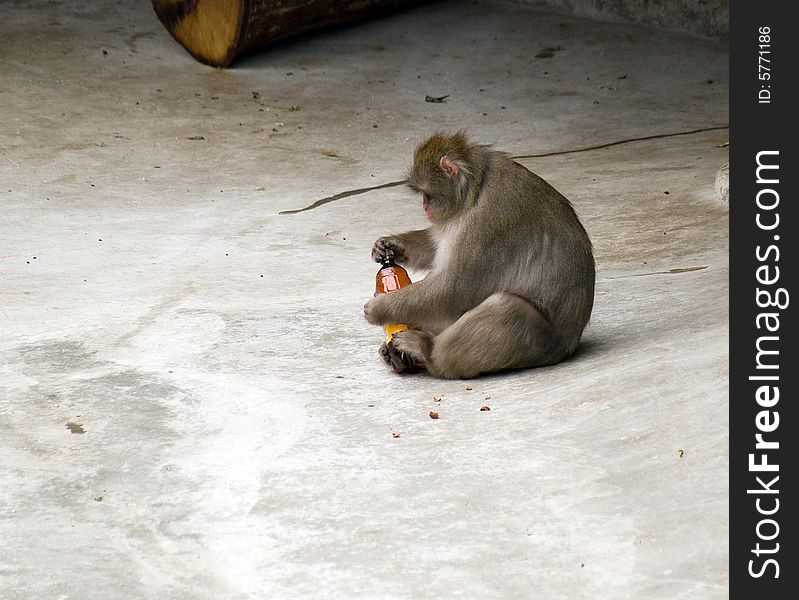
(215, 32)
(208, 29)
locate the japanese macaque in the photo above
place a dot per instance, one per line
(511, 270)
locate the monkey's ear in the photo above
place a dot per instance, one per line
(449, 167)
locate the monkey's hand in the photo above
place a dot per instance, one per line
(388, 246)
(374, 311)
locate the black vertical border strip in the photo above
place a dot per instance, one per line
(756, 127)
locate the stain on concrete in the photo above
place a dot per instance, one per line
(131, 41)
(143, 402)
(58, 356)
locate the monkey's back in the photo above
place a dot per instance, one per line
(537, 246)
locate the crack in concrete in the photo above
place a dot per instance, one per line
(657, 136)
(669, 272)
(153, 313)
(341, 195)
(364, 190)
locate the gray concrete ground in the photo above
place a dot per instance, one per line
(191, 404)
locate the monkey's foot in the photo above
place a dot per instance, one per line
(412, 347)
(399, 361)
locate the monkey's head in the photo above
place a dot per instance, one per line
(440, 172)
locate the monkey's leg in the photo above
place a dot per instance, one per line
(503, 332)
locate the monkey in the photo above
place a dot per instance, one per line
(511, 272)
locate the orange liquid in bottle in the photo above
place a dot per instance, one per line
(390, 278)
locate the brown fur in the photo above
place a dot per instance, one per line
(511, 281)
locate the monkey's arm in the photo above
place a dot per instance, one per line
(435, 299)
(416, 248)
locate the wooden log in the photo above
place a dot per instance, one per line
(216, 32)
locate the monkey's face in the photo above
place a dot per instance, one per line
(426, 206)
(439, 199)
(440, 194)
(439, 173)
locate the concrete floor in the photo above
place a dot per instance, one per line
(191, 404)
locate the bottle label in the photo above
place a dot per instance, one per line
(391, 282)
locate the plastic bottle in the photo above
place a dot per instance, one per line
(390, 278)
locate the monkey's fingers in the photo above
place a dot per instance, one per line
(379, 251)
(386, 248)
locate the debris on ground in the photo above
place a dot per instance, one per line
(75, 427)
(548, 52)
